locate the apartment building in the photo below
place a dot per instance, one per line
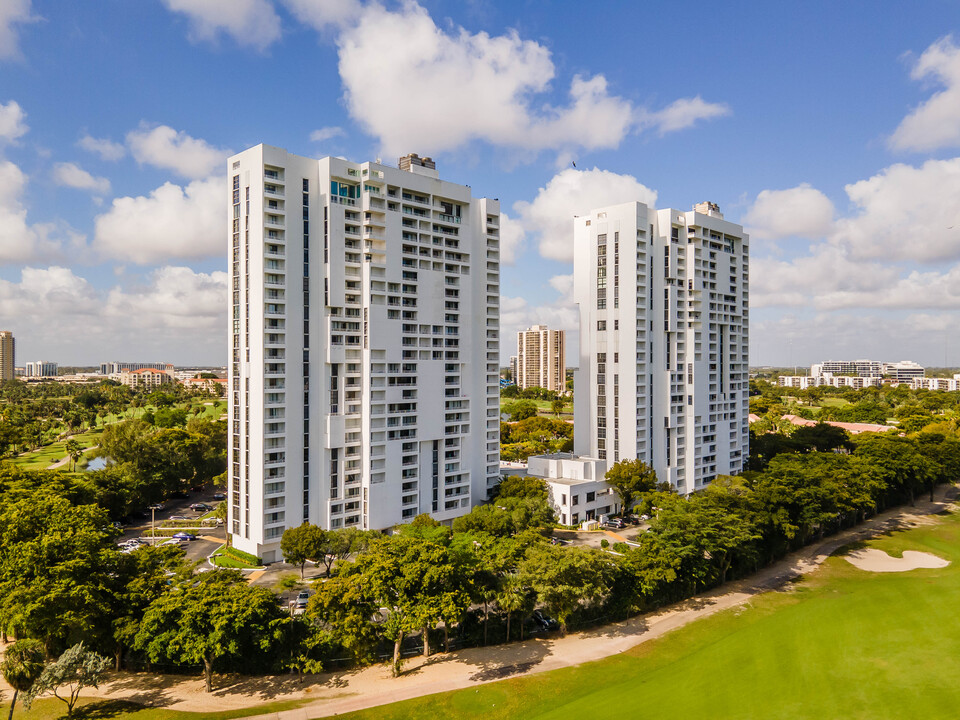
(664, 307)
(7, 356)
(540, 359)
(145, 377)
(903, 371)
(855, 368)
(364, 345)
(40, 368)
(115, 368)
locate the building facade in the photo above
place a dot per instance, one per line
(40, 368)
(145, 377)
(540, 359)
(364, 345)
(7, 356)
(855, 368)
(663, 299)
(115, 368)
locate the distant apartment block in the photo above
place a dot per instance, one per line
(40, 369)
(854, 374)
(513, 369)
(925, 383)
(145, 377)
(803, 382)
(115, 368)
(364, 345)
(858, 368)
(663, 298)
(7, 356)
(540, 359)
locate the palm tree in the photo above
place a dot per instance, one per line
(21, 666)
(513, 597)
(74, 450)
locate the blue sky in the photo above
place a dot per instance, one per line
(830, 130)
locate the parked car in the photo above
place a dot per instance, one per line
(302, 599)
(184, 536)
(219, 496)
(546, 623)
(616, 522)
(180, 495)
(197, 488)
(157, 507)
(200, 507)
(173, 541)
(178, 517)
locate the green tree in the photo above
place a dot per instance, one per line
(302, 543)
(521, 487)
(557, 405)
(212, 617)
(22, 665)
(566, 579)
(77, 668)
(631, 479)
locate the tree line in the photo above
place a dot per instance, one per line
(485, 579)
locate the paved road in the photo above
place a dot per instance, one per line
(200, 549)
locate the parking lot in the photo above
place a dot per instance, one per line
(208, 539)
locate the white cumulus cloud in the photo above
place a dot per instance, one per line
(324, 14)
(682, 113)
(72, 175)
(575, 192)
(905, 213)
(419, 87)
(12, 12)
(164, 147)
(801, 211)
(248, 22)
(105, 148)
(172, 222)
(935, 123)
(12, 125)
(21, 241)
(173, 314)
(326, 133)
(174, 297)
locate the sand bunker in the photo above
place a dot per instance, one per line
(873, 560)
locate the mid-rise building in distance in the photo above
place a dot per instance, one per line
(540, 359)
(663, 375)
(513, 369)
(855, 368)
(364, 345)
(115, 368)
(40, 368)
(7, 356)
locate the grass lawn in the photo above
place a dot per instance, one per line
(42, 458)
(834, 402)
(842, 644)
(88, 709)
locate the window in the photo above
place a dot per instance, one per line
(601, 324)
(576, 499)
(591, 496)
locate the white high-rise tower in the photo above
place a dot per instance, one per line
(663, 373)
(364, 345)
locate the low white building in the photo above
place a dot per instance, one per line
(576, 489)
(947, 384)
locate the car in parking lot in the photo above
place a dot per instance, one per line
(219, 496)
(302, 599)
(616, 523)
(178, 517)
(201, 507)
(156, 507)
(174, 541)
(184, 536)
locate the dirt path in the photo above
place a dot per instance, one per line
(367, 687)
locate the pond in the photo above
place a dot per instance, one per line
(98, 463)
